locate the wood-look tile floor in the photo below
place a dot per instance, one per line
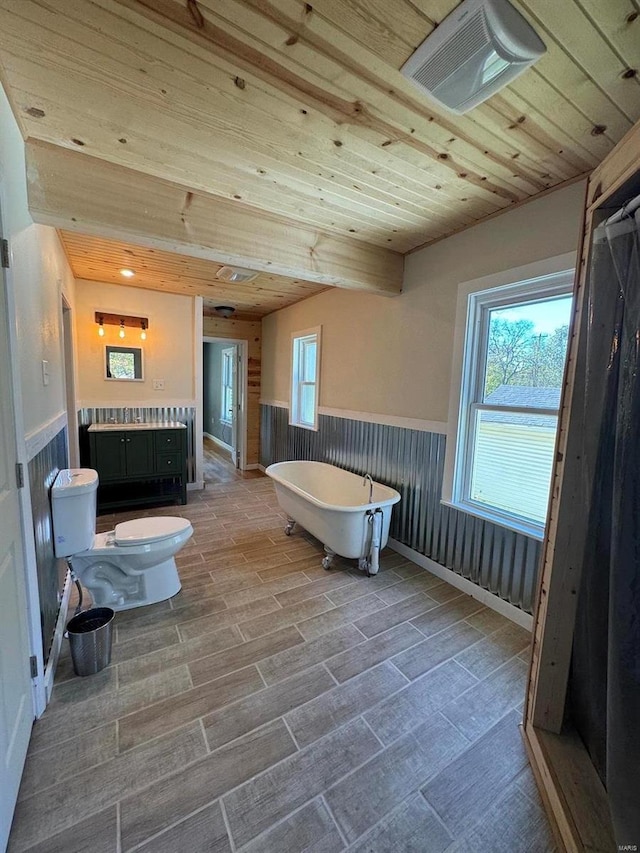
(274, 706)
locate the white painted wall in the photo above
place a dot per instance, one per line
(392, 355)
(40, 274)
(168, 351)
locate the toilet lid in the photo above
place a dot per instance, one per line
(142, 530)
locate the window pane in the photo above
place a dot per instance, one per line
(122, 365)
(525, 354)
(307, 404)
(512, 462)
(309, 349)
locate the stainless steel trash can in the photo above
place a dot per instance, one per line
(90, 638)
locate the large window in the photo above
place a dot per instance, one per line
(513, 365)
(305, 369)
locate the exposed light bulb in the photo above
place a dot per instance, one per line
(101, 330)
(143, 335)
(127, 273)
(121, 332)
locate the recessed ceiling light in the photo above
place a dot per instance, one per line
(127, 273)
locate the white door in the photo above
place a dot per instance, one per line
(16, 699)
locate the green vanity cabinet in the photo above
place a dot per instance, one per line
(139, 464)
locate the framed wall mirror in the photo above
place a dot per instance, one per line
(123, 363)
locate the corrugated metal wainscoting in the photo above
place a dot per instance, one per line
(43, 469)
(412, 461)
(182, 414)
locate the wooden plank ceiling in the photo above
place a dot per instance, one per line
(298, 109)
(97, 259)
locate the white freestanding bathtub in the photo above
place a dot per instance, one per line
(349, 514)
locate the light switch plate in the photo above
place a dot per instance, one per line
(158, 384)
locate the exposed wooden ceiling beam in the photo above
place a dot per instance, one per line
(71, 190)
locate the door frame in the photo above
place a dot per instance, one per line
(243, 386)
(34, 627)
(69, 363)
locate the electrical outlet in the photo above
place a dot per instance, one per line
(158, 384)
(45, 372)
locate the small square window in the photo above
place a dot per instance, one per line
(305, 369)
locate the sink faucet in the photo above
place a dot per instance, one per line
(364, 482)
(126, 415)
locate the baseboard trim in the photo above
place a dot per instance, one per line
(219, 442)
(56, 645)
(525, 620)
(196, 486)
(261, 468)
(253, 466)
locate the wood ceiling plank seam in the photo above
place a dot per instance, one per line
(437, 10)
(559, 69)
(618, 22)
(383, 88)
(295, 210)
(574, 163)
(341, 110)
(564, 25)
(573, 120)
(135, 164)
(353, 17)
(400, 81)
(56, 139)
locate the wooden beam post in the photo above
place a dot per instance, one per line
(72, 190)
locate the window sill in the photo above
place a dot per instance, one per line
(533, 531)
(304, 426)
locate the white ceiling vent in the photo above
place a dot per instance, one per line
(479, 48)
(238, 274)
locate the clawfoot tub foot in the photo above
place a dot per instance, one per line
(364, 564)
(327, 561)
(289, 528)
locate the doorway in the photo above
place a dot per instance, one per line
(223, 397)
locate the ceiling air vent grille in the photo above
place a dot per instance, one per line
(479, 48)
(469, 39)
(236, 274)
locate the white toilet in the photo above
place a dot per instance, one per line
(129, 566)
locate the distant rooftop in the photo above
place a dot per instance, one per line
(527, 397)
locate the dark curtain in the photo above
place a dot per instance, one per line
(604, 697)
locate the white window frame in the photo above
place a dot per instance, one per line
(227, 356)
(298, 339)
(542, 280)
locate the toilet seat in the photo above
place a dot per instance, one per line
(144, 531)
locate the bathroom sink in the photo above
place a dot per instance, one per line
(147, 425)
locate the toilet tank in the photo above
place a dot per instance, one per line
(73, 506)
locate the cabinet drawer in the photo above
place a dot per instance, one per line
(167, 439)
(168, 463)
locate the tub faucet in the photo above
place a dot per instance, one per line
(364, 481)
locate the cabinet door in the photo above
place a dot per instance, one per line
(108, 455)
(139, 452)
